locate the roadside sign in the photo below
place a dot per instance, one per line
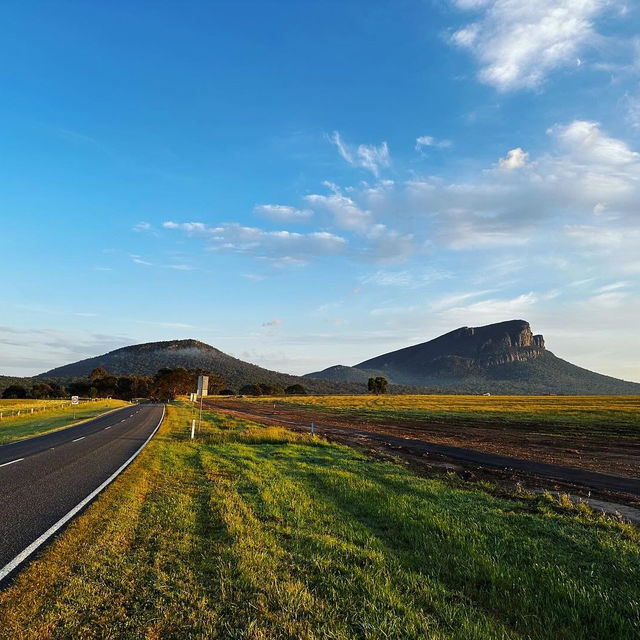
(74, 400)
(203, 385)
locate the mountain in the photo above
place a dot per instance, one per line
(505, 357)
(146, 359)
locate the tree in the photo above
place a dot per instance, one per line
(227, 392)
(79, 388)
(251, 390)
(56, 390)
(107, 387)
(14, 392)
(41, 390)
(270, 389)
(97, 373)
(169, 383)
(378, 385)
(295, 390)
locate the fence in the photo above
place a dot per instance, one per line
(27, 411)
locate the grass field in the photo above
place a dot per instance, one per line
(28, 404)
(257, 532)
(617, 416)
(46, 419)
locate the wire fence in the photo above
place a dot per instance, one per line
(28, 411)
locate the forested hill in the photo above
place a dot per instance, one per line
(146, 359)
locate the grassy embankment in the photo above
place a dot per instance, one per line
(611, 416)
(30, 424)
(256, 532)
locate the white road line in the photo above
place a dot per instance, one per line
(23, 555)
(107, 428)
(80, 438)
(7, 463)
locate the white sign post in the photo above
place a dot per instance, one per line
(74, 401)
(203, 385)
(203, 388)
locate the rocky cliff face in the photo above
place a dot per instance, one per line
(507, 342)
(505, 357)
(465, 351)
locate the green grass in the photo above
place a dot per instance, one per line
(597, 416)
(256, 532)
(27, 425)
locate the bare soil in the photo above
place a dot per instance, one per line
(616, 457)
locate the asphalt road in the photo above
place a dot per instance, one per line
(44, 478)
(574, 475)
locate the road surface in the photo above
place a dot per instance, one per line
(45, 479)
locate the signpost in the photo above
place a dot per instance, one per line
(74, 401)
(203, 388)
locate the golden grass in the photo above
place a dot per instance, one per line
(614, 415)
(51, 418)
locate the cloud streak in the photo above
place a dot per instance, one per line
(371, 157)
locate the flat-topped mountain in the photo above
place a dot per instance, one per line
(145, 360)
(505, 357)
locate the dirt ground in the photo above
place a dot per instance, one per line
(617, 457)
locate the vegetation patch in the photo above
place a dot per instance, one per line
(44, 419)
(615, 416)
(258, 532)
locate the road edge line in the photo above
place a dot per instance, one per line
(38, 542)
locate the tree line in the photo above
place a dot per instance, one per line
(165, 384)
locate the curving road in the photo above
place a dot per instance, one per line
(46, 480)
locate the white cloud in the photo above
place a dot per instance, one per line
(370, 157)
(491, 310)
(430, 141)
(586, 176)
(388, 278)
(276, 322)
(453, 300)
(283, 246)
(282, 213)
(141, 227)
(346, 214)
(139, 260)
(519, 42)
(631, 105)
(383, 244)
(516, 159)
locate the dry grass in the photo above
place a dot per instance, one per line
(611, 415)
(48, 418)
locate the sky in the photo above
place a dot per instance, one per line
(303, 184)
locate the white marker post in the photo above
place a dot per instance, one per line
(193, 428)
(74, 402)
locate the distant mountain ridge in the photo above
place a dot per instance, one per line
(505, 357)
(147, 358)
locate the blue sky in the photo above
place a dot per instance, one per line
(309, 183)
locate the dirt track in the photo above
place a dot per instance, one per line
(609, 470)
